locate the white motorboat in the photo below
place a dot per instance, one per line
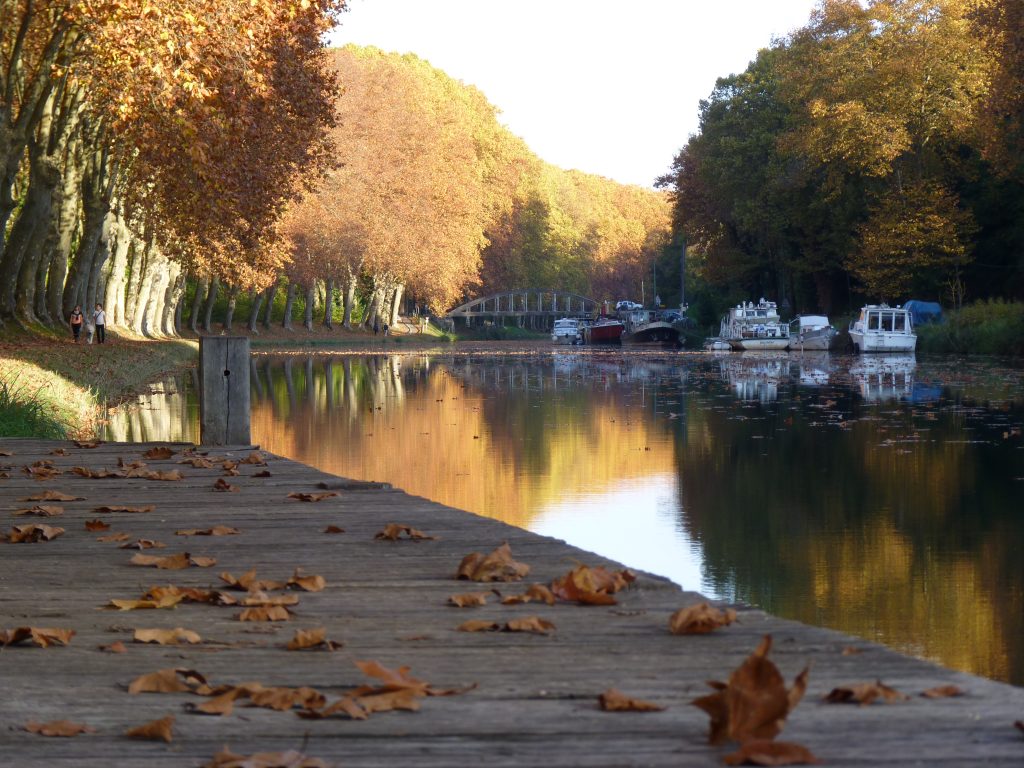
(752, 326)
(567, 330)
(881, 328)
(811, 333)
(715, 344)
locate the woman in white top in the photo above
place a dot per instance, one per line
(100, 319)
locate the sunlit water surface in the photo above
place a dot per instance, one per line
(883, 496)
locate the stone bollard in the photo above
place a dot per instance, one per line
(224, 390)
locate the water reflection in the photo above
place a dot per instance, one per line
(875, 495)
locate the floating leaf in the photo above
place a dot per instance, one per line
(65, 728)
(312, 496)
(43, 637)
(768, 752)
(157, 730)
(700, 619)
(174, 636)
(497, 566)
(394, 531)
(613, 700)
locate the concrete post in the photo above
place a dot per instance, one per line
(224, 390)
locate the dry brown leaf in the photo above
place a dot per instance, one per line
(158, 453)
(95, 474)
(497, 566)
(42, 510)
(41, 472)
(768, 752)
(64, 728)
(265, 613)
(529, 624)
(225, 486)
(33, 533)
(165, 601)
(387, 701)
(534, 593)
(700, 619)
(59, 452)
(259, 597)
(243, 582)
(114, 537)
(106, 510)
(392, 679)
(96, 525)
(468, 599)
(203, 562)
(754, 703)
(479, 625)
(255, 458)
(851, 650)
(312, 496)
(333, 529)
(115, 647)
(312, 583)
(170, 475)
(394, 531)
(613, 700)
(217, 530)
(264, 473)
(222, 704)
(188, 594)
(197, 462)
(43, 637)
(143, 544)
(312, 638)
(289, 759)
(346, 706)
(168, 562)
(591, 586)
(88, 443)
(174, 636)
(169, 680)
(131, 465)
(53, 496)
(864, 693)
(943, 691)
(157, 730)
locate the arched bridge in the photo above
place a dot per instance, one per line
(536, 308)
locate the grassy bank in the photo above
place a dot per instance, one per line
(50, 387)
(992, 327)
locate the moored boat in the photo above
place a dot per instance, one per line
(643, 327)
(605, 330)
(881, 328)
(755, 327)
(566, 331)
(811, 333)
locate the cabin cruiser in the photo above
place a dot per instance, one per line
(752, 326)
(811, 333)
(881, 328)
(567, 330)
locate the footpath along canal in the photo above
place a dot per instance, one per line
(514, 698)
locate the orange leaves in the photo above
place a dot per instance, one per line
(591, 586)
(768, 752)
(864, 693)
(313, 583)
(311, 496)
(497, 566)
(33, 533)
(616, 701)
(312, 638)
(157, 730)
(467, 599)
(158, 453)
(700, 619)
(96, 525)
(265, 613)
(754, 703)
(394, 531)
(42, 637)
(224, 486)
(165, 601)
(289, 759)
(528, 624)
(173, 562)
(170, 680)
(64, 728)
(217, 530)
(166, 636)
(107, 510)
(534, 593)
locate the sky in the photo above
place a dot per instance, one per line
(610, 87)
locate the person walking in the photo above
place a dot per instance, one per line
(76, 320)
(100, 318)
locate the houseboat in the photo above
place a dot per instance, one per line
(752, 326)
(644, 327)
(881, 328)
(811, 333)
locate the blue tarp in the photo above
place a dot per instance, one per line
(922, 312)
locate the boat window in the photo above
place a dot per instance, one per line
(761, 313)
(900, 323)
(872, 321)
(887, 321)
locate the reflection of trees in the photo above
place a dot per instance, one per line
(893, 528)
(168, 412)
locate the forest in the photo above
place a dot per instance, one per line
(164, 160)
(876, 154)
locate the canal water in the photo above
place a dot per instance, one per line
(883, 496)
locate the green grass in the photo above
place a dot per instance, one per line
(28, 412)
(993, 327)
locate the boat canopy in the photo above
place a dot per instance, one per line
(813, 321)
(924, 311)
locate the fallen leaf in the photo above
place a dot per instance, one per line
(529, 624)
(88, 443)
(42, 510)
(95, 474)
(174, 636)
(217, 530)
(43, 637)
(96, 525)
(313, 583)
(333, 529)
(264, 473)
(166, 601)
(169, 475)
(497, 566)
(394, 531)
(312, 496)
(221, 705)
(468, 599)
(1019, 725)
(258, 597)
(754, 703)
(157, 730)
(158, 453)
(168, 681)
(312, 638)
(225, 486)
(59, 452)
(169, 562)
(700, 619)
(392, 679)
(203, 562)
(53, 496)
(106, 510)
(113, 537)
(265, 613)
(479, 625)
(943, 691)
(768, 752)
(591, 586)
(616, 701)
(255, 458)
(851, 650)
(115, 647)
(143, 544)
(864, 693)
(58, 728)
(534, 593)
(33, 533)
(289, 759)
(189, 594)
(198, 463)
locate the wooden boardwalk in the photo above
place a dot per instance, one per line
(535, 700)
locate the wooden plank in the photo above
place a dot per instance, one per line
(535, 700)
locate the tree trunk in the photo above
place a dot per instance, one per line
(140, 255)
(329, 305)
(373, 311)
(197, 302)
(96, 187)
(158, 290)
(67, 225)
(172, 299)
(232, 301)
(307, 319)
(113, 297)
(141, 300)
(179, 302)
(396, 304)
(94, 292)
(350, 300)
(289, 301)
(268, 299)
(254, 310)
(211, 299)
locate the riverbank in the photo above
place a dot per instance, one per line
(51, 387)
